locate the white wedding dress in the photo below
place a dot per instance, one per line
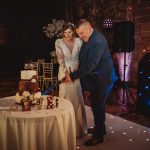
(71, 90)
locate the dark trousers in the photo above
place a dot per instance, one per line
(99, 92)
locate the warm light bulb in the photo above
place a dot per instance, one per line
(130, 140)
(112, 131)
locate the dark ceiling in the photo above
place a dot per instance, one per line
(23, 23)
(32, 11)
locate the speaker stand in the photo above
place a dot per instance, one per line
(127, 94)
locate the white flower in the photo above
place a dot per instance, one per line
(54, 29)
(26, 94)
(37, 95)
(31, 97)
(18, 97)
(33, 80)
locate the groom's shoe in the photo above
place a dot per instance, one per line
(94, 141)
(91, 130)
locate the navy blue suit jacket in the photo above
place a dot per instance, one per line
(95, 58)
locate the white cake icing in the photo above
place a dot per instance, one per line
(27, 74)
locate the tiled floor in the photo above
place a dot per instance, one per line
(121, 135)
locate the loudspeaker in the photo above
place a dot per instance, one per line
(123, 36)
(143, 85)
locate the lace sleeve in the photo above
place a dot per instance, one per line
(59, 54)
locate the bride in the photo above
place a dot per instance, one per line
(67, 50)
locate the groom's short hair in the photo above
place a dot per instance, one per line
(83, 21)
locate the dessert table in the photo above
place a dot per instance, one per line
(38, 129)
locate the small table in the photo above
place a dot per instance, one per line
(44, 129)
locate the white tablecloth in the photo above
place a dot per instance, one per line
(45, 129)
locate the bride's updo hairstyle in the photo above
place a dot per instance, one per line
(69, 25)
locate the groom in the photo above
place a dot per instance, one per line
(96, 73)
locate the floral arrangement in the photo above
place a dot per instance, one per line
(54, 29)
(27, 96)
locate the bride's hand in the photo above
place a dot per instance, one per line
(68, 79)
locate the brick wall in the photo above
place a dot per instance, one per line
(141, 14)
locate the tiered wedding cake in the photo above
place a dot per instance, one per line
(28, 87)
